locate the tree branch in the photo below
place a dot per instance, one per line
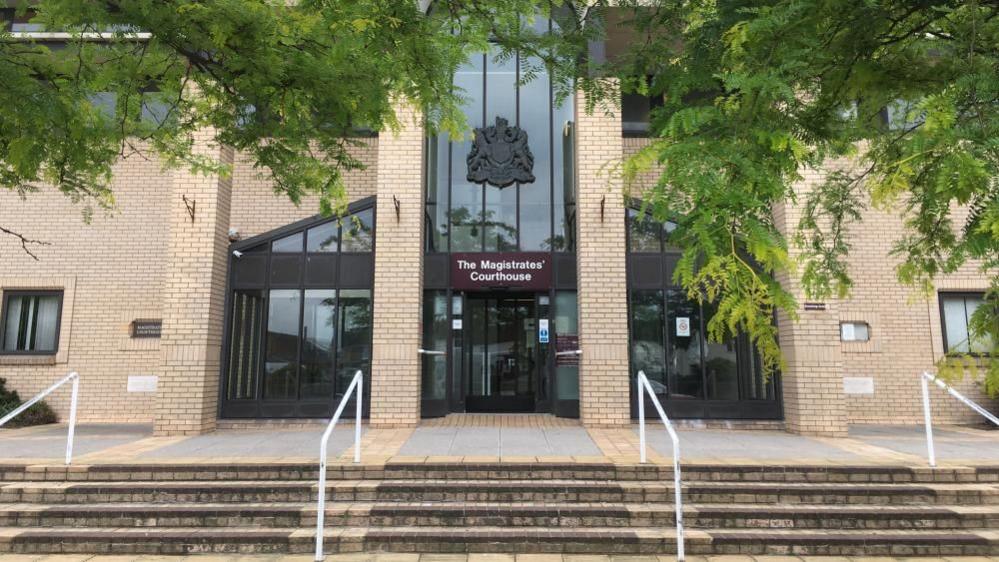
(25, 241)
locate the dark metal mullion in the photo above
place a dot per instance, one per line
(703, 344)
(337, 334)
(265, 332)
(482, 188)
(516, 96)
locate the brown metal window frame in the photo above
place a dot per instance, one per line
(7, 294)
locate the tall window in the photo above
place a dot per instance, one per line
(669, 340)
(31, 322)
(299, 317)
(955, 311)
(463, 216)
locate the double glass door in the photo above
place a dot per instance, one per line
(501, 355)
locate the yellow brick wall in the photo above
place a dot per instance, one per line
(395, 368)
(604, 387)
(111, 271)
(257, 209)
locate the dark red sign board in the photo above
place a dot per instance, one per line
(501, 270)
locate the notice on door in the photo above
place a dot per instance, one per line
(682, 327)
(484, 271)
(543, 330)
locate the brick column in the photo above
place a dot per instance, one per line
(395, 366)
(194, 296)
(813, 381)
(603, 293)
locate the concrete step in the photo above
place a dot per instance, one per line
(570, 491)
(583, 515)
(493, 471)
(597, 540)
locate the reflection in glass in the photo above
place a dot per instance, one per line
(535, 120)
(244, 344)
(289, 244)
(281, 364)
(721, 366)
(643, 232)
(647, 337)
(435, 331)
(318, 340)
(354, 345)
(684, 357)
(358, 232)
(566, 324)
(323, 238)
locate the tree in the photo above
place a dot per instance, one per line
(288, 83)
(756, 92)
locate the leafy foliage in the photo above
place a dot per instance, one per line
(288, 83)
(757, 93)
(38, 414)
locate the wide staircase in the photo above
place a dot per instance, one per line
(499, 507)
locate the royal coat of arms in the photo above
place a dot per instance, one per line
(500, 156)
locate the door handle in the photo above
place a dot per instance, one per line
(430, 352)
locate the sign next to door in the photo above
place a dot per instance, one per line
(506, 270)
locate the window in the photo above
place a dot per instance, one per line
(955, 313)
(854, 331)
(31, 321)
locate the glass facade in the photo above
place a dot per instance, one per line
(463, 216)
(668, 341)
(299, 317)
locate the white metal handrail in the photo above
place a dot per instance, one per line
(75, 377)
(643, 385)
(927, 418)
(356, 384)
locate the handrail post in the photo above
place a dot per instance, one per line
(644, 385)
(356, 385)
(928, 421)
(641, 414)
(357, 417)
(71, 430)
(72, 419)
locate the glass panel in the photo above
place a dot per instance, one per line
(647, 337)
(684, 357)
(466, 197)
(280, 367)
(643, 232)
(358, 232)
(289, 244)
(323, 238)
(437, 194)
(566, 328)
(956, 322)
(318, 341)
(245, 332)
(435, 330)
(977, 344)
(721, 367)
(500, 214)
(535, 120)
(31, 323)
(564, 173)
(354, 346)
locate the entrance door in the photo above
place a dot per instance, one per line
(501, 355)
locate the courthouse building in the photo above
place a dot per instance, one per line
(507, 273)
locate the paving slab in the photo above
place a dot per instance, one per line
(49, 442)
(951, 444)
(248, 444)
(500, 442)
(735, 446)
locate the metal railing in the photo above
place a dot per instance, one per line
(643, 385)
(75, 377)
(356, 384)
(927, 417)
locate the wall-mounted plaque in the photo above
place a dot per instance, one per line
(565, 344)
(815, 306)
(147, 328)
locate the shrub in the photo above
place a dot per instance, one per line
(38, 414)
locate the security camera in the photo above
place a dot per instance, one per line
(234, 234)
(237, 253)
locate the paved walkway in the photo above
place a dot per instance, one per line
(474, 439)
(392, 557)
